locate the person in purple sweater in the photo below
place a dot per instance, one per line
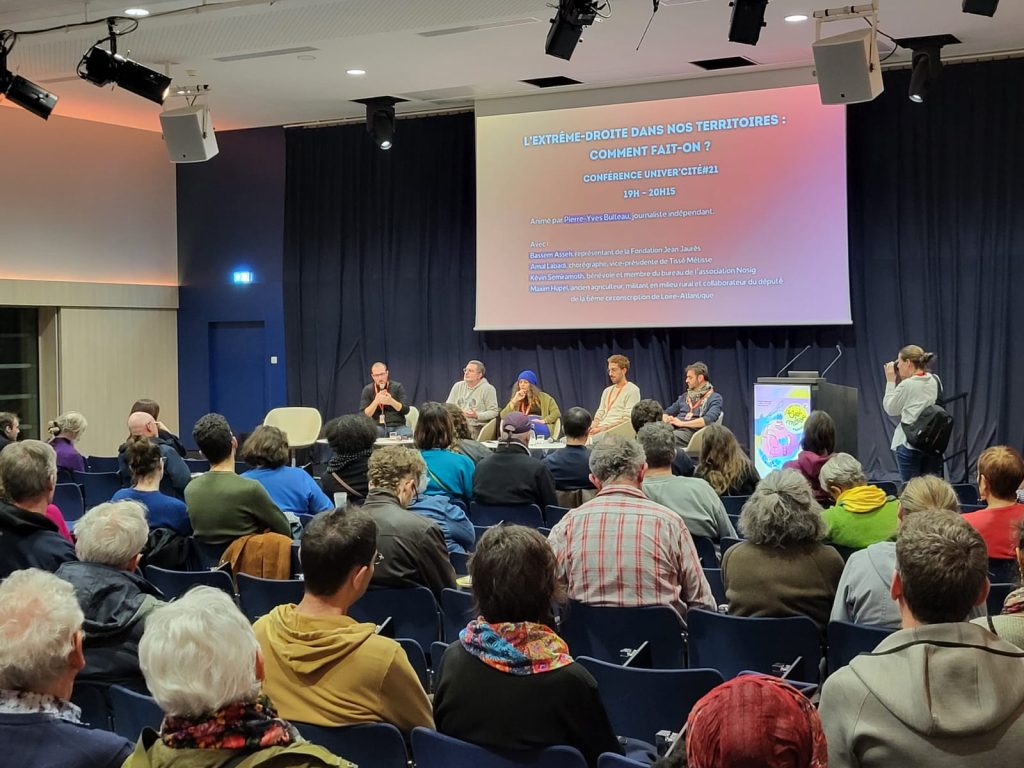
(67, 429)
(818, 445)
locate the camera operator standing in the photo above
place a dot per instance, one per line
(909, 389)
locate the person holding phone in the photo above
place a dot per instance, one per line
(909, 389)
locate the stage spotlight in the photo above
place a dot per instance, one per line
(102, 67)
(981, 7)
(747, 21)
(380, 121)
(24, 93)
(927, 67)
(567, 26)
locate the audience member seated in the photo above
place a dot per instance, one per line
(176, 471)
(1000, 474)
(203, 666)
(147, 467)
(538, 406)
(697, 407)
(940, 692)
(351, 439)
(817, 446)
(650, 412)
(619, 526)
(322, 666)
(863, 514)
(782, 568)
(570, 466)
(475, 395)
(413, 547)
(40, 654)
(511, 475)
(448, 473)
(509, 682)
(689, 497)
(723, 464)
(753, 720)
(464, 442)
(65, 431)
(618, 398)
(28, 539)
(111, 593)
(291, 488)
(152, 407)
(459, 535)
(1009, 623)
(384, 401)
(864, 595)
(221, 505)
(10, 427)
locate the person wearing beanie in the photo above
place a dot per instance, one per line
(539, 406)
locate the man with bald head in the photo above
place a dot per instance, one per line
(384, 401)
(176, 472)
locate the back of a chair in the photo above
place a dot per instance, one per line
(259, 597)
(97, 487)
(641, 702)
(368, 744)
(435, 750)
(727, 541)
(489, 431)
(417, 659)
(603, 632)
(714, 577)
(706, 551)
(437, 649)
(412, 417)
(553, 515)
(1003, 571)
(611, 760)
(967, 493)
(732, 644)
(625, 429)
(890, 488)
(94, 701)
(68, 498)
(556, 429)
(512, 514)
(176, 583)
(997, 593)
(735, 520)
(208, 555)
(457, 610)
(102, 464)
(734, 504)
(413, 611)
(460, 562)
(133, 711)
(846, 640)
(301, 425)
(478, 532)
(197, 466)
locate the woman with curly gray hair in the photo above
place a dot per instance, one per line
(782, 569)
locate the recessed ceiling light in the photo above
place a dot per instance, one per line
(796, 17)
(355, 72)
(136, 12)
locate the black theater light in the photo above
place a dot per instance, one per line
(567, 26)
(24, 93)
(102, 67)
(747, 20)
(926, 63)
(380, 120)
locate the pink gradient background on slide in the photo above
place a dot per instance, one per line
(779, 202)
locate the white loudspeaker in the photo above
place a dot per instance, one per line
(847, 67)
(188, 134)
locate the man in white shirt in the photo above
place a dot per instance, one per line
(617, 401)
(475, 396)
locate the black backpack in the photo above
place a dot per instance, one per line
(931, 430)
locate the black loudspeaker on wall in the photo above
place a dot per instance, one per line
(188, 134)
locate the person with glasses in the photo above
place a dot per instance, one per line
(475, 396)
(384, 401)
(413, 546)
(321, 665)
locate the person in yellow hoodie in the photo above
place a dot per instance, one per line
(322, 666)
(863, 514)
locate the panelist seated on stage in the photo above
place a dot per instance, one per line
(384, 401)
(511, 475)
(617, 400)
(570, 466)
(539, 407)
(650, 412)
(475, 395)
(697, 407)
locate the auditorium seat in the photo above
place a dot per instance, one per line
(846, 640)
(68, 498)
(97, 487)
(511, 514)
(727, 541)
(197, 466)
(734, 504)
(102, 464)
(553, 514)
(625, 429)
(611, 760)
(176, 583)
(377, 744)
(890, 488)
(714, 577)
(997, 593)
(258, 596)
(732, 644)
(417, 659)
(967, 493)
(609, 632)
(641, 702)
(706, 551)
(460, 562)
(413, 612)
(489, 431)
(412, 417)
(301, 425)
(457, 612)
(131, 712)
(435, 750)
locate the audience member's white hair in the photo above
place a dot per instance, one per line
(39, 617)
(112, 533)
(842, 471)
(198, 654)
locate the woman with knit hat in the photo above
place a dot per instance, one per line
(539, 406)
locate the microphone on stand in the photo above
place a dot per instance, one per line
(785, 368)
(829, 366)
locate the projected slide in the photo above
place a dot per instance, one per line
(721, 210)
(780, 411)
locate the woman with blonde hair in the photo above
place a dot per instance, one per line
(864, 595)
(723, 464)
(909, 389)
(66, 430)
(539, 406)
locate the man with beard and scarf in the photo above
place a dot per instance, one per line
(697, 407)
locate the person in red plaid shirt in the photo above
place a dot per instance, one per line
(623, 549)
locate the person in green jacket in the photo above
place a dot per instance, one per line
(541, 407)
(203, 665)
(863, 514)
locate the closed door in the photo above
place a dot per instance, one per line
(238, 375)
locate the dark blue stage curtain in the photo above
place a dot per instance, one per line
(380, 249)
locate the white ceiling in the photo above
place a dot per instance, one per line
(485, 48)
